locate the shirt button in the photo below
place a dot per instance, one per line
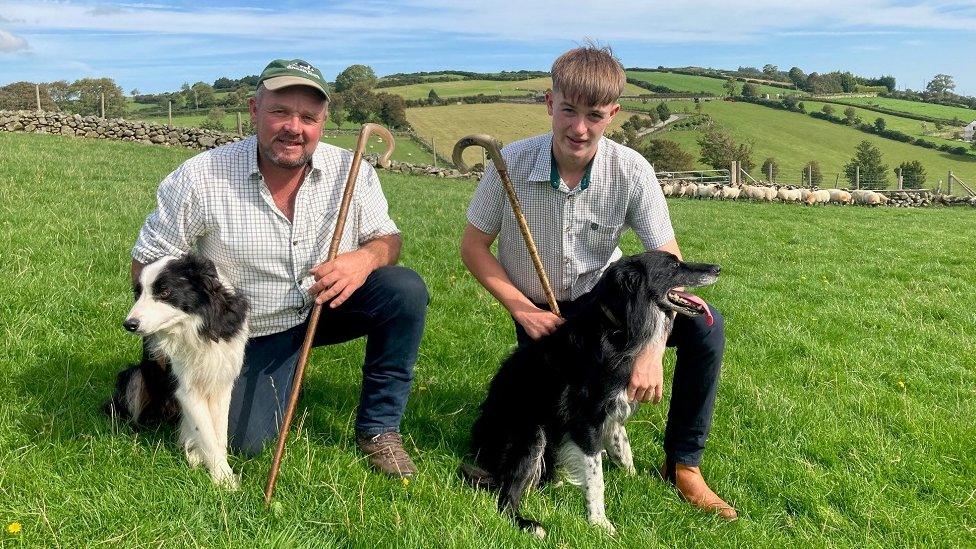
(294, 243)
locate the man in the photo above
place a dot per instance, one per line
(264, 210)
(579, 192)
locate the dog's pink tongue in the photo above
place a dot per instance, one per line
(709, 319)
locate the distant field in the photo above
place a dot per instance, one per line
(504, 121)
(689, 83)
(793, 139)
(406, 150)
(915, 107)
(488, 87)
(230, 121)
(892, 122)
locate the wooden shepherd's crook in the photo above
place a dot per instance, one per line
(493, 147)
(313, 318)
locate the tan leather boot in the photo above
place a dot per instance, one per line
(692, 487)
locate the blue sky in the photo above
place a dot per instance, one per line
(156, 46)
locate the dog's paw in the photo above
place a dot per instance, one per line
(224, 477)
(630, 470)
(604, 523)
(193, 456)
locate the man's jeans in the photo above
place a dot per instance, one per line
(389, 309)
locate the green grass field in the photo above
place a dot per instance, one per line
(487, 87)
(902, 124)
(506, 122)
(794, 139)
(691, 83)
(915, 107)
(843, 417)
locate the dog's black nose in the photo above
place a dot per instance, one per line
(131, 324)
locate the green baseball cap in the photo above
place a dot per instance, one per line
(282, 73)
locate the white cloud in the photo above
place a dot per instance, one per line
(655, 21)
(12, 43)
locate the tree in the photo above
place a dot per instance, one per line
(391, 110)
(797, 77)
(360, 103)
(940, 84)
(23, 96)
(663, 112)
(887, 81)
(873, 170)
(718, 150)
(88, 97)
(214, 120)
(912, 174)
(848, 82)
(337, 109)
(770, 169)
(811, 173)
(879, 124)
(770, 70)
(356, 76)
(850, 116)
(203, 95)
(729, 86)
(666, 155)
(790, 102)
(60, 91)
(750, 90)
(827, 109)
(433, 98)
(134, 92)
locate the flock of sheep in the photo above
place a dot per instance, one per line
(772, 193)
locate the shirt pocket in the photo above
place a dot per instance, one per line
(599, 240)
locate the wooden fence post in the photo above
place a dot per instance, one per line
(240, 124)
(37, 94)
(809, 176)
(857, 177)
(769, 173)
(103, 104)
(433, 150)
(901, 180)
(170, 115)
(949, 183)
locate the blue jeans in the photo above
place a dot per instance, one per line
(694, 386)
(389, 309)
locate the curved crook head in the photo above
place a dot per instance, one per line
(370, 128)
(490, 144)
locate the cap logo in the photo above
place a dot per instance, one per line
(307, 69)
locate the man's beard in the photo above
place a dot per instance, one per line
(268, 154)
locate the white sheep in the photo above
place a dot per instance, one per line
(728, 192)
(840, 196)
(818, 197)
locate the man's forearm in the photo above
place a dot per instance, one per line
(490, 274)
(382, 251)
(135, 270)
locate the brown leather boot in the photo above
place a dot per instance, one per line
(385, 452)
(692, 487)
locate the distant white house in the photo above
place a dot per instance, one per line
(969, 131)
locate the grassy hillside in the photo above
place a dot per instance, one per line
(487, 87)
(841, 420)
(689, 83)
(905, 125)
(794, 139)
(915, 107)
(506, 122)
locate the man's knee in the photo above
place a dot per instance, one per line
(406, 290)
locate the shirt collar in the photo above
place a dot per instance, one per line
(545, 170)
(554, 177)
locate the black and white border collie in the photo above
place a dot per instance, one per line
(195, 327)
(562, 400)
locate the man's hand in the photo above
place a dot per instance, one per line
(339, 278)
(537, 322)
(647, 378)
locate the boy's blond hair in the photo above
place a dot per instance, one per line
(590, 75)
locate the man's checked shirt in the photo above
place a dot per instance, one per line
(218, 204)
(576, 231)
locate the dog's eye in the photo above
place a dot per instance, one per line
(163, 293)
